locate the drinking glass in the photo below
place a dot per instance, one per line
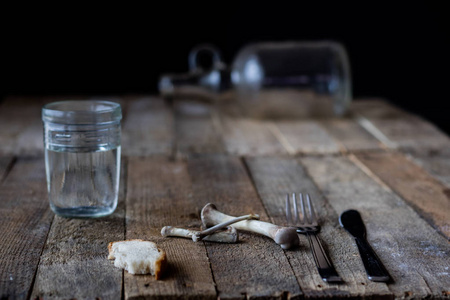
(82, 157)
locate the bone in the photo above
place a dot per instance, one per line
(200, 235)
(286, 237)
(227, 235)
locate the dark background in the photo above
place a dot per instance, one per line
(397, 51)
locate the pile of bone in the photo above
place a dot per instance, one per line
(223, 228)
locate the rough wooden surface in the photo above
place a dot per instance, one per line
(350, 135)
(197, 129)
(21, 127)
(437, 163)
(274, 177)
(399, 129)
(255, 267)
(249, 137)
(413, 252)
(304, 137)
(73, 263)
(378, 109)
(18, 118)
(392, 166)
(159, 194)
(148, 128)
(430, 198)
(31, 140)
(25, 219)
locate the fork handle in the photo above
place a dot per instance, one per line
(323, 263)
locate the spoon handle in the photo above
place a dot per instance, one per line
(374, 268)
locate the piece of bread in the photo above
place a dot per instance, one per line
(138, 257)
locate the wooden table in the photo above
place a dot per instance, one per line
(392, 166)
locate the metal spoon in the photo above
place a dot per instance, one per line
(352, 222)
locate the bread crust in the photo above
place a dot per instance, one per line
(160, 263)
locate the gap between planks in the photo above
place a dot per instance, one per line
(423, 192)
(6, 165)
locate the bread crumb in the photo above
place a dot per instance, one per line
(138, 257)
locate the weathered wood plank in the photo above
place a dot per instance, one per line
(74, 262)
(399, 129)
(31, 141)
(196, 129)
(304, 137)
(249, 137)
(437, 163)
(427, 195)
(378, 109)
(21, 127)
(413, 133)
(283, 103)
(274, 177)
(350, 134)
(148, 128)
(255, 267)
(19, 120)
(25, 219)
(159, 194)
(413, 252)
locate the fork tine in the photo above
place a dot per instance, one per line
(311, 209)
(294, 200)
(288, 210)
(302, 206)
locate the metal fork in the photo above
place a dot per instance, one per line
(306, 223)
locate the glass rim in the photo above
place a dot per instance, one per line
(79, 112)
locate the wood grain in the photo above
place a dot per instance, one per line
(428, 196)
(159, 194)
(19, 120)
(31, 140)
(281, 103)
(401, 129)
(304, 137)
(148, 128)
(274, 177)
(413, 252)
(437, 163)
(344, 163)
(21, 127)
(350, 135)
(377, 108)
(196, 129)
(74, 262)
(243, 136)
(25, 220)
(257, 266)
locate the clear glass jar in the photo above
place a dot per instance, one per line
(82, 157)
(293, 78)
(272, 79)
